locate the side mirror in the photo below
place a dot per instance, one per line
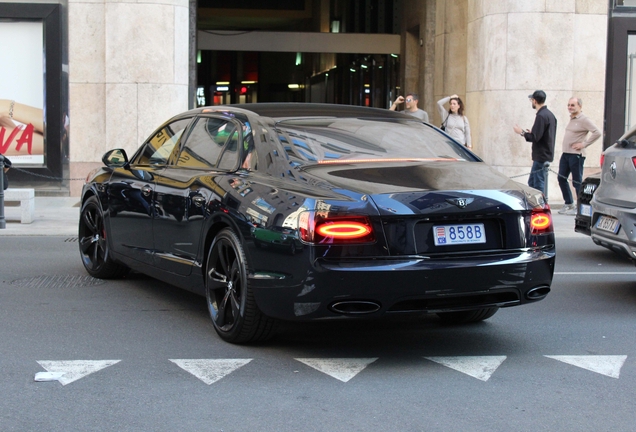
(116, 158)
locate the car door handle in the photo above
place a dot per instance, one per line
(198, 200)
(146, 190)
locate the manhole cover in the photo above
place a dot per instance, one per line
(58, 281)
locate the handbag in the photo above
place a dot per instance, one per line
(443, 126)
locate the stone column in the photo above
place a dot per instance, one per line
(517, 46)
(128, 72)
(450, 53)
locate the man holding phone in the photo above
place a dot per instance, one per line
(542, 137)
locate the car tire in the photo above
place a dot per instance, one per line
(231, 304)
(93, 243)
(465, 317)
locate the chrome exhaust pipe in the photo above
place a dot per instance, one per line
(538, 293)
(355, 307)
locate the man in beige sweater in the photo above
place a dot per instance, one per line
(579, 134)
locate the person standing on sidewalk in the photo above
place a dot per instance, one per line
(6, 166)
(542, 137)
(410, 107)
(454, 122)
(579, 134)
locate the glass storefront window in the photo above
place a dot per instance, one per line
(625, 3)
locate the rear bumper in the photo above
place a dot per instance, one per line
(377, 287)
(624, 241)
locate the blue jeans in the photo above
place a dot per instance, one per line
(539, 176)
(570, 163)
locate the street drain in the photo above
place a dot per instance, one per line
(58, 281)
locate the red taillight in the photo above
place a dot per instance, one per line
(634, 161)
(602, 159)
(541, 221)
(343, 230)
(335, 230)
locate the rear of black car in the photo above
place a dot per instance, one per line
(410, 222)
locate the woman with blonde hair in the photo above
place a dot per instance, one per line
(454, 122)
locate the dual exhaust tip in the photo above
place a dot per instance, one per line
(355, 307)
(538, 293)
(362, 307)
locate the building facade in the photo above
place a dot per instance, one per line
(130, 65)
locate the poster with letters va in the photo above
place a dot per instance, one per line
(22, 92)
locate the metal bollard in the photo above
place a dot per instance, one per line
(546, 168)
(3, 222)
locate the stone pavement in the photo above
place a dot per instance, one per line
(54, 216)
(59, 216)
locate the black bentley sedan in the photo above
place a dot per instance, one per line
(315, 211)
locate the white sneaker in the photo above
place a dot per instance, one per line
(572, 211)
(567, 208)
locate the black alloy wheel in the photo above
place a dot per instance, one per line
(233, 310)
(465, 317)
(93, 244)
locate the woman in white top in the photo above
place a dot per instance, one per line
(454, 121)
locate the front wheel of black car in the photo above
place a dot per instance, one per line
(231, 303)
(465, 317)
(93, 244)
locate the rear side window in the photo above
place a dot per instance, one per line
(159, 147)
(208, 140)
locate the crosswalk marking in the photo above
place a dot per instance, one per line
(67, 371)
(608, 365)
(342, 369)
(210, 370)
(480, 367)
(604, 273)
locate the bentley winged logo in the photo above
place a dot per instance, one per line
(460, 202)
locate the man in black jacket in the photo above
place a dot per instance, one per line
(542, 137)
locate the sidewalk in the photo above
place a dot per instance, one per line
(59, 216)
(54, 216)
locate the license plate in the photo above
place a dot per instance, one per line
(586, 210)
(445, 235)
(607, 223)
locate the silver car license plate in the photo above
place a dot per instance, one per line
(445, 235)
(607, 223)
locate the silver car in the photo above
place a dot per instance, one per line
(614, 202)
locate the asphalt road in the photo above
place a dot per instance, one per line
(140, 355)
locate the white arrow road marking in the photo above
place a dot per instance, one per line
(72, 370)
(604, 273)
(480, 367)
(609, 365)
(210, 370)
(340, 368)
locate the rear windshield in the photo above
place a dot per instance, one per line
(334, 141)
